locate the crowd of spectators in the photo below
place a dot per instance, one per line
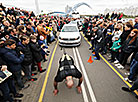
(25, 40)
(24, 44)
(112, 35)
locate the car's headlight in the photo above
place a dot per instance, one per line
(77, 37)
(60, 38)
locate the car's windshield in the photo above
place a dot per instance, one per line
(73, 22)
(69, 29)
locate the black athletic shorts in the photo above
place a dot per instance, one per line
(61, 75)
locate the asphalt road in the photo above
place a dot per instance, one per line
(100, 84)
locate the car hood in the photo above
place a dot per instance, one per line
(69, 34)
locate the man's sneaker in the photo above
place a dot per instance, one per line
(33, 79)
(93, 54)
(128, 64)
(34, 74)
(42, 70)
(26, 86)
(120, 67)
(18, 95)
(16, 100)
(47, 54)
(109, 55)
(130, 81)
(111, 61)
(103, 53)
(90, 48)
(115, 62)
(136, 97)
(126, 89)
(127, 73)
(126, 79)
(22, 73)
(45, 60)
(48, 51)
(95, 58)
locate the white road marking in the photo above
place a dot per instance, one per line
(93, 98)
(84, 94)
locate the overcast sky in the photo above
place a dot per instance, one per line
(98, 6)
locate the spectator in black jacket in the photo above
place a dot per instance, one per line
(136, 50)
(107, 16)
(128, 46)
(92, 36)
(133, 69)
(110, 26)
(29, 29)
(36, 52)
(99, 38)
(8, 85)
(4, 85)
(23, 46)
(112, 16)
(10, 56)
(126, 32)
(13, 61)
(136, 24)
(85, 26)
(115, 15)
(13, 35)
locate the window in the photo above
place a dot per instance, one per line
(69, 29)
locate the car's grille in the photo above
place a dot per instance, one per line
(68, 43)
(68, 38)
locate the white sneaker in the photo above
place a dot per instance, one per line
(120, 67)
(115, 62)
(126, 79)
(22, 73)
(127, 73)
(130, 81)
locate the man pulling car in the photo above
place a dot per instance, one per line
(67, 70)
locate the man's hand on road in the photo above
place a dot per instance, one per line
(55, 92)
(78, 89)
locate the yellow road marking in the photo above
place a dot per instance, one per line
(46, 77)
(136, 92)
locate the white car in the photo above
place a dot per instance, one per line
(69, 35)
